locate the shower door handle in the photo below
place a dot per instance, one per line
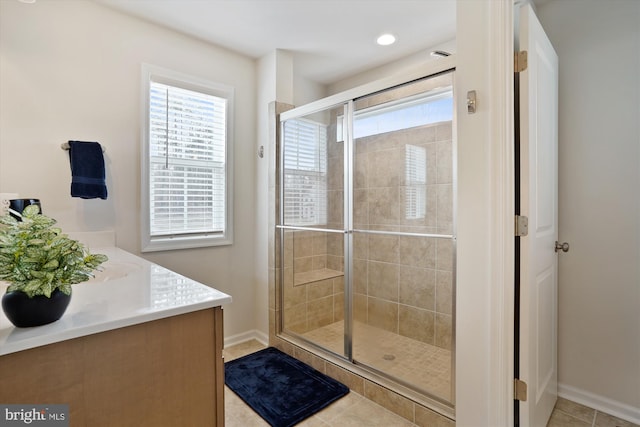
(562, 246)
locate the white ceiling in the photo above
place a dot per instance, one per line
(330, 39)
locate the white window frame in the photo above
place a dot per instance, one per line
(151, 243)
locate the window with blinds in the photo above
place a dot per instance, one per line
(186, 164)
(305, 173)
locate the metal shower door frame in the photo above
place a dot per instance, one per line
(346, 99)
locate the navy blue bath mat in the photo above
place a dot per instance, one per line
(281, 389)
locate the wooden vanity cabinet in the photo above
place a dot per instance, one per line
(167, 372)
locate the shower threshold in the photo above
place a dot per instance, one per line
(419, 364)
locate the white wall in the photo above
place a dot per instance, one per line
(71, 70)
(267, 72)
(411, 62)
(598, 43)
(305, 90)
(277, 81)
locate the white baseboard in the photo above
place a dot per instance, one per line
(601, 403)
(254, 334)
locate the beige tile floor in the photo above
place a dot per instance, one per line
(571, 414)
(354, 410)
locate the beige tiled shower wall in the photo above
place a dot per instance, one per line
(402, 284)
(313, 292)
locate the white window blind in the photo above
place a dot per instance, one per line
(305, 173)
(187, 161)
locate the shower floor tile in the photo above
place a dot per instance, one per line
(419, 364)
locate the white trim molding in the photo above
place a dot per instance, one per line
(503, 196)
(253, 334)
(600, 403)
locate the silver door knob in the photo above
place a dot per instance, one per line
(562, 246)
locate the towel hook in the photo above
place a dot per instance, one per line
(65, 146)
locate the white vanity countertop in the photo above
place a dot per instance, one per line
(130, 290)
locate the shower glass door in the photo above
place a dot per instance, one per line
(367, 229)
(312, 227)
(403, 235)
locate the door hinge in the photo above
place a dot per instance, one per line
(520, 61)
(522, 225)
(519, 390)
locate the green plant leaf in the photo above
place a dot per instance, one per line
(51, 264)
(33, 286)
(31, 211)
(47, 289)
(37, 258)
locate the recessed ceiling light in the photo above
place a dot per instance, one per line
(27, 1)
(386, 39)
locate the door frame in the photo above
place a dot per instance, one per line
(485, 247)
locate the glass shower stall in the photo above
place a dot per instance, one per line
(367, 190)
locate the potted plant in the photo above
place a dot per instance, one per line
(41, 264)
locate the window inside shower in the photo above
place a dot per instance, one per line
(367, 232)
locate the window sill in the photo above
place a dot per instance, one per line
(176, 243)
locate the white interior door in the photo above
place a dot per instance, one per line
(539, 202)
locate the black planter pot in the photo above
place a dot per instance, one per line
(25, 312)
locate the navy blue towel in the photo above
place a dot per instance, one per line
(87, 170)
